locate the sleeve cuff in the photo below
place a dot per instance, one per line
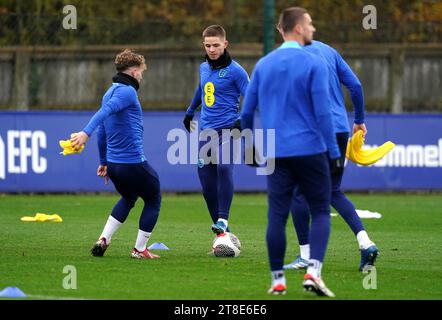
(87, 131)
(335, 153)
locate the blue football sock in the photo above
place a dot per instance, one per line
(122, 208)
(275, 236)
(301, 218)
(338, 200)
(276, 240)
(320, 230)
(319, 235)
(225, 190)
(208, 176)
(151, 210)
(347, 210)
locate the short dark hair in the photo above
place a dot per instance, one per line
(214, 31)
(128, 58)
(290, 17)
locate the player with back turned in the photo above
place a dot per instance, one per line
(291, 88)
(222, 82)
(339, 73)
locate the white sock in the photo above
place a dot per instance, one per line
(110, 228)
(142, 239)
(314, 268)
(224, 221)
(278, 277)
(305, 251)
(363, 240)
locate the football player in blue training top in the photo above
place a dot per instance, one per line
(291, 88)
(222, 82)
(339, 73)
(120, 142)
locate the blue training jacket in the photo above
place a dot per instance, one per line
(291, 88)
(120, 126)
(340, 72)
(218, 93)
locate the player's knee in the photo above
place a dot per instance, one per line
(153, 200)
(320, 208)
(278, 217)
(209, 186)
(336, 195)
(299, 199)
(157, 202)
(129, 202)
(152, 191)
(155, 185)
(225, 170)
(155, 213)
(210, 192)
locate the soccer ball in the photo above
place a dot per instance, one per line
(226, 245)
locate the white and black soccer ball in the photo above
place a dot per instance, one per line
(226, 245)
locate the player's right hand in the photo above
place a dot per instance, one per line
(188, 124)
(79, 139)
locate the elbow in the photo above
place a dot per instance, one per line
(246, 115)
(357, 86)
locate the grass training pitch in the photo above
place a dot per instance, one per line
(34, 254)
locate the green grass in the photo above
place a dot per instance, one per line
(33, 255)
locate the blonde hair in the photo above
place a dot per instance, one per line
(128, 58)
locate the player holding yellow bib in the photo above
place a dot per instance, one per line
(339, 74)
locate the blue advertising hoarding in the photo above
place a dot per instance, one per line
(30, 159)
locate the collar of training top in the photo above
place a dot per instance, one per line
(223, 61)
(124, 78)
(290, 44)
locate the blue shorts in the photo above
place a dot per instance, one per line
(222, 151)
(311, 174)
(135, 180)
(336, 179)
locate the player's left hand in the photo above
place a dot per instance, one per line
(357, 127)
(336, 166)
(79, 139)
(256, 157)
(102, 172)
(237, 125)
(188, 123)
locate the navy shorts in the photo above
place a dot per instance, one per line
(336, 179)
(134, 180)
(310, 174)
